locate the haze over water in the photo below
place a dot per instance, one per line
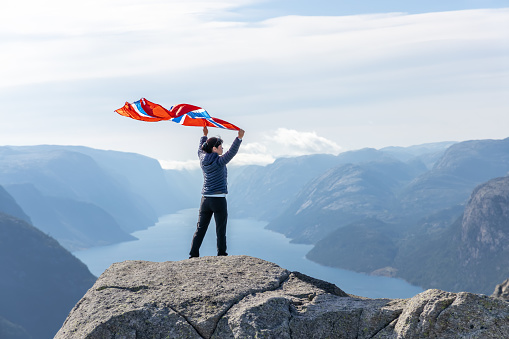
(170, 239)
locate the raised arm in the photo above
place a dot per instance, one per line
(203, 139)
(228, 156)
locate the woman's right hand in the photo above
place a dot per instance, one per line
(241, 133)
(205, 131)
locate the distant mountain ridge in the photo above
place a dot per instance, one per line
(452, 179)
(342, 195)
(428, 154)
(264, 192)
(76, 224)
(142, 175)
(455, 242)
(73, 175)
(116, 192)
(10, 206)
(391, 190)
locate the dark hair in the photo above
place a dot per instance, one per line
(211, 143)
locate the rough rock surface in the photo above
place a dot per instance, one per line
(246, 297)
(502, 291)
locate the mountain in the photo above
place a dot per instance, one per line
(384, 217)
(75, 224)
(502, 290)
(40, 280)
(109, 193)
(9, 206)
(342, 195)
(73, 175)
(390, 190)
(369, 243)
(483, 243)
(469, 253)
(428, 154)
(374, 247)
(276, 192)
(462, 167)
(141, 175)
(264, 191)
(246, 297)
(472, 254)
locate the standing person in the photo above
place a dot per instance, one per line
(213, 201)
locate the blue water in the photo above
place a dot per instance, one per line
(170, 239)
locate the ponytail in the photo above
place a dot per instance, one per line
(210, 144)
(205, 147)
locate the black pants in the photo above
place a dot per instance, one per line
(208, 207)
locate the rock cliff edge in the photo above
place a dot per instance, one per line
(246, 297)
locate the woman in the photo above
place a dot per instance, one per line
(213, 201)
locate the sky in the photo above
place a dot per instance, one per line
(299, 77)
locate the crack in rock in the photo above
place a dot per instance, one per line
(296, 289)
(187, 320)
(146, 322)
(389, 323)
(136, 289)
(285, 277)
(447, 303)
(360, 324)
(131, 289)
(290, 311)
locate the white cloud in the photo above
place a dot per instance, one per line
(244, 158)
(287, 142)
(62, 40)
(284, 142)
(271, 145)
(58, 40)
(74, 17)
(355, 81)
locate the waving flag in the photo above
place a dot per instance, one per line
(184, 114)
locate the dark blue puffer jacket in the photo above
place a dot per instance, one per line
(214, 168)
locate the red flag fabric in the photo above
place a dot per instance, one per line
(184, 114)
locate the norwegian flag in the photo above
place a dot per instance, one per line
(184, 114)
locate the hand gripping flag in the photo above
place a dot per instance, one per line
(184, 114)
